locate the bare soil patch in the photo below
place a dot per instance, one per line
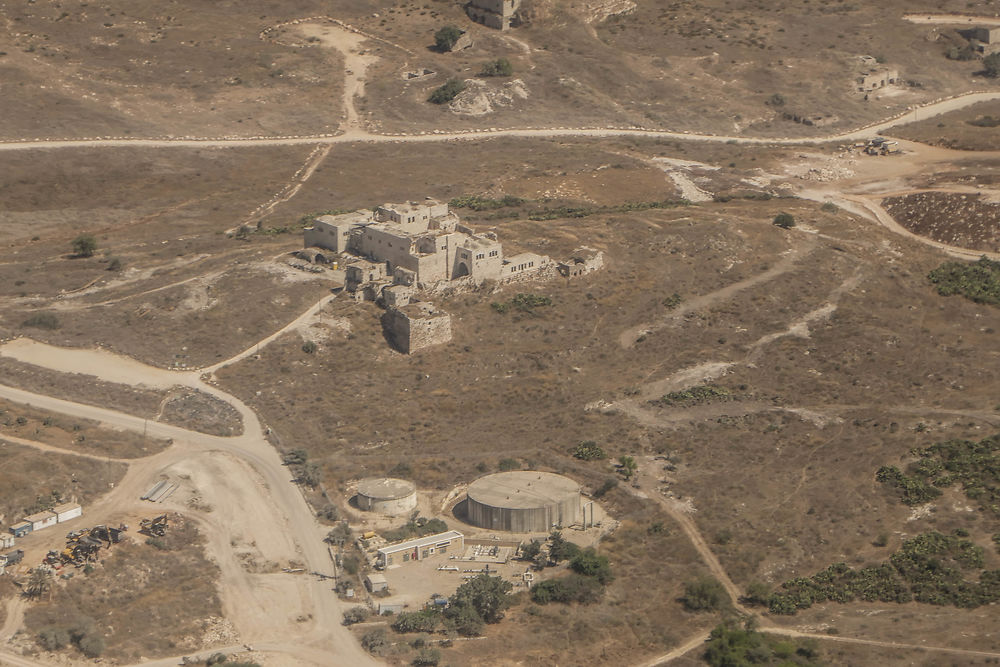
(966, 220)
(961, 130)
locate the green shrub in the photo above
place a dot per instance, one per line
(309, 347)
(114, 264)
(591, 564)
(42, 321)
(506, 465)
(911, 490)
(356, 615)
(588, 450)
(571, 588)
(447, 92)
(426, 620)
(784, 220)
(979, 281)
(84, 245)
(446, 37)
(375, 641)
(498, 67)
(53, 638)
(427, 657)
(695, 395)
(91, 644)
(561, 549)
(704, 594)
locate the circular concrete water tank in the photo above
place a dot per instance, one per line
(523, 501)
(387, 495)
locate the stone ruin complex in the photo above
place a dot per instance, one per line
(396, 251)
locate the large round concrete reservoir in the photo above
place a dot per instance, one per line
(523, 501)
(387, 495)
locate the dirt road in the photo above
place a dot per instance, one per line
(355, 135)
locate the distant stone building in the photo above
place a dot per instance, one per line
(392, 253)
(496, 14)
(584, 260)
(415, 326)
(874, 76)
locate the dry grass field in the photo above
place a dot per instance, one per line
(139, 69)
(80, 435)
(33, 480)
(961, 130)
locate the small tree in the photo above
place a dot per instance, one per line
(784, 220)
(498, 67)
(39, 583)
(446, 37)
(487, 595)
(84, 245)
(992, 65)
(531, 550)
(627, 466)
(591, 564)
(561, 549)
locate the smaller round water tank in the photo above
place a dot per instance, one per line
(387, 495)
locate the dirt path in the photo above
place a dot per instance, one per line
(41, 446)
(437, 136)
(356, 64)
(12, 622)
(788, 261)
(299, 178)
(951, 19)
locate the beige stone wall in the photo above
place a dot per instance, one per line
(416, 327)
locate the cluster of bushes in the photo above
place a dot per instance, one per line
(585, 211)
(589, 573)
(588, 450)
(81, 633)
(42, 321)
(305, 471)
(498, 67)
(784, 220)
(930, 568)
(480, 600)
(446, 37)
(525, 303)
(704, 594)
(446, 93)
(911, 490)
(730, 645)
(979, 281)
(477, 203)
(974, 465)
(695, 395)
(984, 121)
(417, 527)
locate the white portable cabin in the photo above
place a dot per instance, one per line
(67, 511)
(41, 520)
